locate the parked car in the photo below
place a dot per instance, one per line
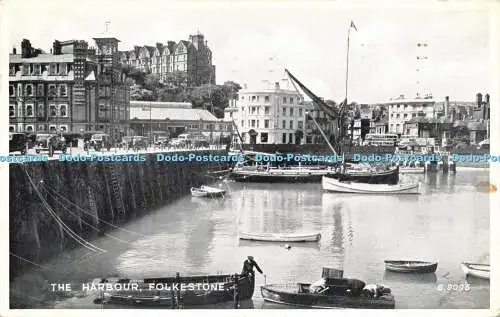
(18, 142)
(50, 143)
(100, 141)
(161, 141)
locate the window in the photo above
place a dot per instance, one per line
(26, 70)
(284, 99)
(242, 123)
(52, 69)
(253, 98)
(63, 91)
(52, 90)
(63, 128)
(29, 90)
(39, 91)
(253, 124)
(266, 110)
(413, 115)
(283, 138)
(253, 110)
(284, 111)
(266, 98)
(258, 123)
(291, 112)
(20, 89)
(290, 138)
(29, 128)
(291, 100)
(266, 123)
(20, 110)
(291, 124)
(309, 139)
(398, 115)
(37, 70)
(12, 91)
(392, 115)
(12, 111)
(52, 128)
(52, 111)
(300, 112)
(405, 115)
(12, 128)
(301, 125)
(29, 110)
(263, 137)
(283, 124)
(40, 110)
(41, 127)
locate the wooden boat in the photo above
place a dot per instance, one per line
(403, 266)
(169, 298)
(390, 176)
(476, 270)
(334, 185)
(206, 191)
(281, 237)
(278, 175)
(334, 296)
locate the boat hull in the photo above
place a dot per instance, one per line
(312, 237)
(166, 298)
(334, 185)
(271, 293)
(476, 270)
(390, 177)
(206, 191)
(412, 170)
(277, 176)
(411, 266)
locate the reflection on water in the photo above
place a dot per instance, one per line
(200, 236)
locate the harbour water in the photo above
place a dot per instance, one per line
(447, 223)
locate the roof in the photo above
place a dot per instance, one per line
(151, 49)
(171, 110)
(42, 58)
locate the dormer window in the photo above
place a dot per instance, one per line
(26, 70)
(53, 69)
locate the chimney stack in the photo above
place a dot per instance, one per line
(14, 51)
(277, 85)
(479, 99)
(487, 98)
(446, 106)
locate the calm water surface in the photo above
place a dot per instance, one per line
(448, 223)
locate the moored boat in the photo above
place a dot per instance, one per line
(390, 176)
(281, 237)
(278, 175)
(166, 294)
(206, 191)
(403, 266)
(412, 170)
(334, 185)
(333, 291)
(476, 270)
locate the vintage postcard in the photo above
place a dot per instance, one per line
(236, 157)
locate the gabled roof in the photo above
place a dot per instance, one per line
(42, 58)
(151, 49)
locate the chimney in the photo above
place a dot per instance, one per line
(56, 48)
(446, 106)
(277, 85)
(25, 48)
(479, 99)
(14, 51)
(487, 99)
(171, 46)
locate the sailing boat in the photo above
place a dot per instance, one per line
(353, 172)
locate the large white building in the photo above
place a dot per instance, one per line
(272, 116)
(402, 110)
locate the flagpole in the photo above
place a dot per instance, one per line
(347, 62)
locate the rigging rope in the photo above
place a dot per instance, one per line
(68, 230)
(30, 262)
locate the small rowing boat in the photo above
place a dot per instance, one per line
(281, 237)
(334, 185)
(206, 191)
(403, 266)
(476, 270)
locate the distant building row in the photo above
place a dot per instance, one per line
(187, 63)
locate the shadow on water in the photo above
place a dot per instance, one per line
(472, 280)
(420, 278)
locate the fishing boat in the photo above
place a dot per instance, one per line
(206, 191)
(277, 175)
(336, 292)
(194, 293)
(403, 266)
(390, 176)
(476, 270)
(281, 237)
(334, 185)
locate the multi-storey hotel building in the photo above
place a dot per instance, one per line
(402, 110)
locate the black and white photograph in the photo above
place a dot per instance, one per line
(238, 155)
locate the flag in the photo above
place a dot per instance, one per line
(353, 26)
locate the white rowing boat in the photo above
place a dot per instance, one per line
(333, 185)
(412, 170)
(476, 270)
(281, 237)
(206, 191)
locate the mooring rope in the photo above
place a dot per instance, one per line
(88, 224)
(68, 230)
(49, 188)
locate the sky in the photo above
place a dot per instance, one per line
(254, 43)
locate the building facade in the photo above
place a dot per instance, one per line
(187, 63)
(275, 116)
(74, 88)
(147, 118)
